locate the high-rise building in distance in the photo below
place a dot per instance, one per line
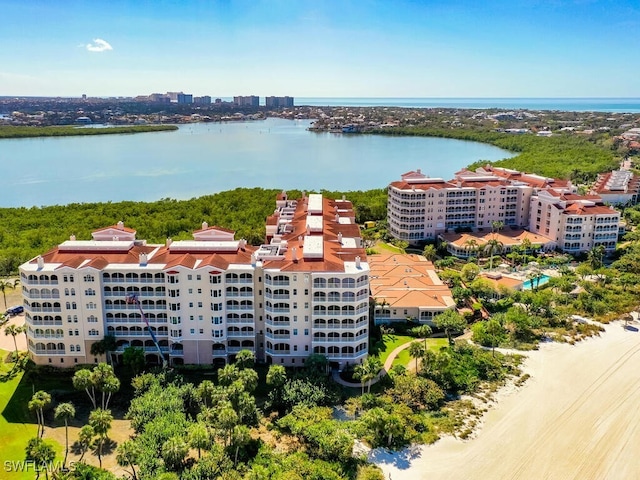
(278, 102)
(247, 101)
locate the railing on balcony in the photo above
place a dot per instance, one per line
(46, 352)
(241, 334)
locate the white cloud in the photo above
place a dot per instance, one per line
(99, 45)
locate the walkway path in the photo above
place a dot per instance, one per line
(385, 369)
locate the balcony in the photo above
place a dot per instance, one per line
(137, 334)
(278, 323)
(38, 296)
(42, 335)
(43, 309)
(271, 351)
(345, 355)
(241, 334)
(272, 336)
(339, 339)
(238, 349)
(272, 296)
(137, 321)
(47, 352)
(26, 281)
(240, 321)
(44, 323)
(320, 326)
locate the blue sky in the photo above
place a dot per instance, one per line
(321, 48)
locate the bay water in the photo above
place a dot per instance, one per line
(204, 158)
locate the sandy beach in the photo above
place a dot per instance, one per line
(577, 417)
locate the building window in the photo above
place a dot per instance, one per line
(198, 277)
(193, 331)
(93, 332)
(189, 277)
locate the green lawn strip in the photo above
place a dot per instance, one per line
(17, 423)
(434, 344)
(388, 247)
(391, 342)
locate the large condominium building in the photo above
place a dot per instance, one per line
(246, 101)
(575, 223)
(205, 299)
(422, 208)
(278, 102)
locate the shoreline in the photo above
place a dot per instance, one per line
(575, 417)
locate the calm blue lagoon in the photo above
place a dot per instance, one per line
(201, 159)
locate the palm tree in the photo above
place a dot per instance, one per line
(496, 226)
(240, 437)
(100, 420)
(416, 350)
(41, 453)
(127, 456)
(423, 331)
(85, 437)
(450, 321)
(596, 255)
(173, 452)
(360, 373)
(471, 246)
(38, 403)
(245, 359)
(430, 252)
(65, 411)
(14, 331)
(7, 284)
(372, 368)
(492, 247)
(199, 437)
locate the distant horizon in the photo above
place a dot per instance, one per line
(344, 96)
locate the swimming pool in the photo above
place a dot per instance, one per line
(543, 279)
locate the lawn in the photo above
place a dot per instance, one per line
(389, 343)
(388, 247)
(434, 344)
(13, 434)
(17, 424)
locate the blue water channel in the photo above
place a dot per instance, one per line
(205, 158)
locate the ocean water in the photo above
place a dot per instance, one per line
(614, 105)
(201, 159)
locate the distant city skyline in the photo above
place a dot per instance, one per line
(368, 48)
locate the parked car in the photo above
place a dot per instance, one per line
(14, 310)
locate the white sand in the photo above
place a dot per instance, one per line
(577, 417)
